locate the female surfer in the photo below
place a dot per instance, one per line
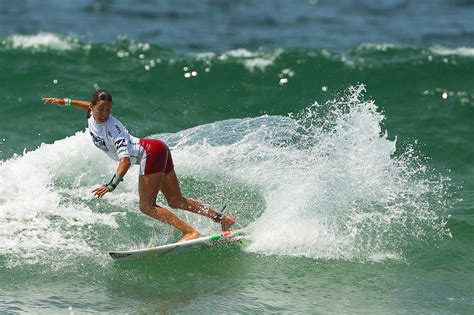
(156, 165)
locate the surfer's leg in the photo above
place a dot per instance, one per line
(172, 191)
(148, 187)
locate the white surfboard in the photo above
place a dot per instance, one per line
(175, 248)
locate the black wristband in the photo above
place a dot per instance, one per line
(218, 217)
(116, 179)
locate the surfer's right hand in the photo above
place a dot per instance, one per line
(100, 191)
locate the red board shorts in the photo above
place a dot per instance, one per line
(156, 157)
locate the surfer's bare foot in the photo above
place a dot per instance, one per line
(227, 221)
(189, 236)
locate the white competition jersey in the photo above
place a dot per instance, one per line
(112, 138)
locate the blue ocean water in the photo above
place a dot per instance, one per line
(339, 134)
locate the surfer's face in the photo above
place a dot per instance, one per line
(101, 111)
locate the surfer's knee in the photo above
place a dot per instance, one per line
(177, 202)
(146, 207)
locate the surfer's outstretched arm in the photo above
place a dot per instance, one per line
(84, 105)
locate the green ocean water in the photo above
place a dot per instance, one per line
(352, 173)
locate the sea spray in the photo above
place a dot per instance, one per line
(333, 183)
(324, 183)
(357, 197)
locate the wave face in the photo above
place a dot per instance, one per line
(328, 181)
(351, 170)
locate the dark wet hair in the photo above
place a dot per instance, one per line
(99, 95)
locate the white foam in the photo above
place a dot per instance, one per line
(49, 40)
(253, 60)
(241, 53)
(334, 186)
(329, 178)
(258, 63)
(460, 51)
(378, 47)
(40, 206)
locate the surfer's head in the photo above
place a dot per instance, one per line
(101, 106)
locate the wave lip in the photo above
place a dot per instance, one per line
(41, 40)
(459, 51)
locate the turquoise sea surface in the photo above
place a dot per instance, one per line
(339, 134)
